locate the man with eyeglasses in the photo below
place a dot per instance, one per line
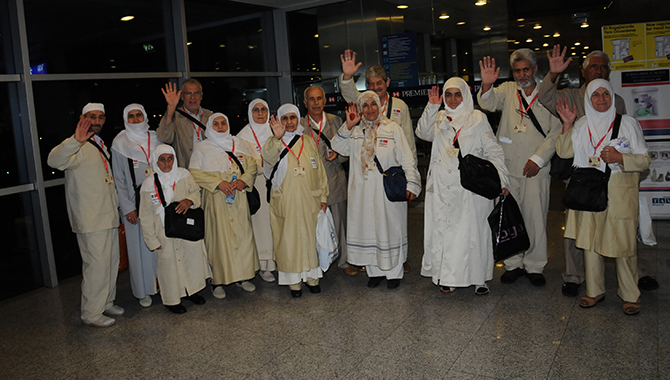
(92, 208)
(183, 125)
(527, 134)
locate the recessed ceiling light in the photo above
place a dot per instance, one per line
(529, 40)
(572, 47)
(573, 53)
(487, 28)
(403, 6)
(577, 43)
(557, 34)
(460, 23)
(222, 46)
(316, 36)
(189, 43)
(585, 47)
(545, 44)
(444, 16)
(516, 42)
(537, 48)
(251, 46)
(583, 56)
(585, 25)
(537, 26)
(521, 25)
(547, 35)
(479, 3)
(127, 18)
(326, 46)
(521, 19)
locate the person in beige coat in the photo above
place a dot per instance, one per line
(182, 267)
(528, 154)
(612, 232)
(92, 208)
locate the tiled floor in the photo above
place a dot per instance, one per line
(352, 332)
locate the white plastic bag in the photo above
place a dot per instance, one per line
(326, 240)
(645, 232)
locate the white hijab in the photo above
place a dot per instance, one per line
(285, 109)
(210, 155)
(262, 131)
(168, 180)
(464, 114)
(135, 139)
(369, 127)
(223, 140)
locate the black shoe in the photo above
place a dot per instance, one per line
(314, 289)
(296, 293)
(392, 284)
(177, 309)
(536, 279)
(512, 275)
(647, 283)
(374, 282)
(196, 299)
(570, 289)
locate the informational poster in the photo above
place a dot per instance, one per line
(399, 58)
(655, 186)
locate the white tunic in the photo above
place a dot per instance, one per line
(458, 249)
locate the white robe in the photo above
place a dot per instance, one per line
(458, 249)
(376, 227)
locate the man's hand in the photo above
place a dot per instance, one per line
(349, 65)
(531, 169)
(557, 61)
(331, 155)
(353, 116)
(410, 196)
(434, 96)
(489, 73)
(132, 217)
(324, 206)
(172, 97)
(277, 128)
(82, 133)
(183, 206)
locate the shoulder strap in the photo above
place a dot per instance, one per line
(379, 166)
(159, 188)
(132, 172)
(236, 161)
(615, 134)
(531, 115)
(281, 155)
(388, 108)
(102, 151)
(186, 115)
(458, 146)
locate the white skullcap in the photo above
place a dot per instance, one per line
(93, 107)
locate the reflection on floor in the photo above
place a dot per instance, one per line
(352, 332)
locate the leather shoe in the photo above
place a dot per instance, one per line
(392, 284)
(99, 321)
(647, 283)
(177, 309)
(296, 293)
(405, 267)
(570, 289)
(536, 279)
(512, 275)
(314, 289)
(351, 270)
(196, 299)
(114, 311)
(374, 282)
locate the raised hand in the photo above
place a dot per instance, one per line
(171, 94)
(349, 65)
(277, 128)
(489, 72)
(82, 133)
(434, 96)
(353, 116)
(557, 61)
(567, 115)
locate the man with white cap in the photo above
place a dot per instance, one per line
(183, 126)
(93, 211)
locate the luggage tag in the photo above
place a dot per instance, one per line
(452, 152)
(136, 164)
(148, 172)
(520, 128)
(299, 171)
(313, 162)
(594, 161)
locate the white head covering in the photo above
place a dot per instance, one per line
(168, 180)
(599, 122)
(369, 127)
(93, 107)
(222, 139)
(288, 136)
(136, 139)
(464, 114)
(210, 155)
(261, 131)
(287, 109)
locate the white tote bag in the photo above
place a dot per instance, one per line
(326, 240)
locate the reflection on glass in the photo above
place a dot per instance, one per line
(10, 175)
(5, 40)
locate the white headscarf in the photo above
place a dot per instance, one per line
(370, 129)
(136, 139)
(288, 136)
(168, 180)
(287, 109)
(464, 114)
(262, 131)
(222, 139)
(210, 155)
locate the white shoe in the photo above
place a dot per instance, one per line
(114, 311)
(247, 286)
(219, 292)
(100, 321)
(267, 276)
(146, 301)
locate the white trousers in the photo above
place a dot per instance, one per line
(100, 268)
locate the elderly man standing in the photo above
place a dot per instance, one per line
(528, 139)
(183, 126)
(93, 211)
(322, 128)
(376, 80)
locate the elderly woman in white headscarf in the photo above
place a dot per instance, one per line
(182, 264)
(376, 227)
(223, 168)
(457, 237)
(254, 135)
(299, 191)
(131, 164)
(609, 233)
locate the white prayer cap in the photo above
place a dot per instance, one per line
(93, 107)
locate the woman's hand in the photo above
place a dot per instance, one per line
(238, 184)
(132, 217)
(353, 116)
(504, 191)
(568, 116)
(434, 96)
(226, 187)
(324, 206)
(183, 206)
(610, 155)
(277, 128)
(410, 196)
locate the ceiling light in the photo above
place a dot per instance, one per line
(537, 26)
(585, 25)
(251, 46)
(516, 42)
(573, 53)
(189, 43)
(520, 19)
(547, 35)
(572, 47)
(326, 46)
(127, 18)
(583, 56)
(529, 40)
(557, 34)
(316, 36)
(460, 23)
(444, 16)
(585, 47)
(259, 30)
(545, 44)
(577, 43)
(403, 6)
(222, 46)
(479, 3)
(537, 48)
(521, 25)
(487, 28)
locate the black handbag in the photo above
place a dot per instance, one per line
(478, 175)
(509, 230)
(188, 226)
(395, 182)
(587, 189)
(253, 197)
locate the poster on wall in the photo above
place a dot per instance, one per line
(399, 58)
(655, 184)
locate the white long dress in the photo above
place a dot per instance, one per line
(458, 249)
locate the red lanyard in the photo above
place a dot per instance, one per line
(148, 147)
(385, 104)
(302, 145)
(310, 131)
(456, 137)
(255, 138)
(102, 145)
(595, 147)
(524, 111)
(158, 194)
(233, 152)
(196, 127)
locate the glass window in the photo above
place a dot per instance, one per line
(64, 241)
(5, 39)
(13, 169)
(90, 37)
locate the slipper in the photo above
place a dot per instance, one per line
(631, 308)
(587, 302)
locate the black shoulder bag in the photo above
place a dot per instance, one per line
(587, 189)
(283, 153)
(395, 182)
(478, 175)
(253, 198)
(188, 226)
(561, 168)
(136, 188)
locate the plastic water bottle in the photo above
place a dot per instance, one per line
(231, 198)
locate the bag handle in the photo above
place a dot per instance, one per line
(159, 188)
(186, 115)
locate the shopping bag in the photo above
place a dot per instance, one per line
(326, 240)
(645, 229)
(509, 231)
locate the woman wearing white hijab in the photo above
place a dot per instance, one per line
(299, 191)
(457, 237)
(610, 233)
(229, 237)
(254, 135)
(132, 151)
(376, 227)
(182, 264)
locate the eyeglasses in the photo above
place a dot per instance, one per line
(96, 117)
(262, 110)
(192, 93)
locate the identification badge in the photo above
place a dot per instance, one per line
(154, 199)
(594, 161)
(136, 164)
(452, 152)
(148, 172)
(383, 143)
(258, 149)
(299, 171)
(109, 180)
(396, 112)
(372, 166)
(241, 159)
(520, 128)
(313, 162)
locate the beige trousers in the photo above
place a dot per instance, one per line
(626, 271)
(100, 268)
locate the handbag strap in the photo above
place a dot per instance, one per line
(282, 155)
(379, 166)
(502, 199)
(132, 172)
(237, 162)
(102, 151)
(531, 114)
(615, 134)
(159, 188)
(186, 115)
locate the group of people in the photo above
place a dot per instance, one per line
(297, 162)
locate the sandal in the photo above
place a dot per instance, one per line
(587, 302)
(631, 308)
